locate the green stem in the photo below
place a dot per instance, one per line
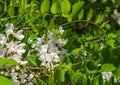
(51, 78)
(80, 21)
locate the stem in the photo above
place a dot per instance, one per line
(51, 77)
(80, 21)
(35, 68)
(4, 19)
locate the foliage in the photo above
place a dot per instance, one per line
(87, 37)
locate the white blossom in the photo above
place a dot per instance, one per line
(61, 30)
(15, 51)
(19, 35)
(52, 42)
(106, 75)
(48, 59)
(40, 41)
(9, 28)
(44, 49)
(49, 51)
(52, 35)
(20, 48)
(2, 39)
(54, 49)
(23, 62)
(62, 42)
(55, 57)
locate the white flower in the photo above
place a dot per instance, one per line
(19, 35)
(2, 52)
(99, 65)
(15, 48)
(53, 49)
(118, 21)
(9, 28)
(52, 42)
(15, 51)
(55, 57)
(52, 35)
(11, 47)
(62, 42)
(31, 76)
(15, 57)
(44, 49)
(106, 75)
(20, 49)
(61, 30)
(116, 12)
(2, 39)
(40, 41)
(48, 59)
(101, 46)
(23, 62)
(84, 52)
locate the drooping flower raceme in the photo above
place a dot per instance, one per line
(14, 49)
(49, 52)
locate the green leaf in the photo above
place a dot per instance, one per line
(95, 81)
(5, 6)
(33, 36)
(76, 8)
(11, 11)
(111, 35)
(77, 77)
(107, 26)
(5, 81)
(4, 61)
(91, 66)
(69, 18)
(32, 42)
(33, 60)
(110, 43)
(65, 7)
(107, 67)
(116, 73)
(60, 75)
(67, 66)
(54, 8)
(90, 14)
(76, 50)
(45, 6)
(99, 18)
(113, 1)
(81, 14)
(103, 24)
(71, 74)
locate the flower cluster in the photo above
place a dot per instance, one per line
(49, 52)
(19, 75)
(106, 75)
(48, 49)
(9, 48)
